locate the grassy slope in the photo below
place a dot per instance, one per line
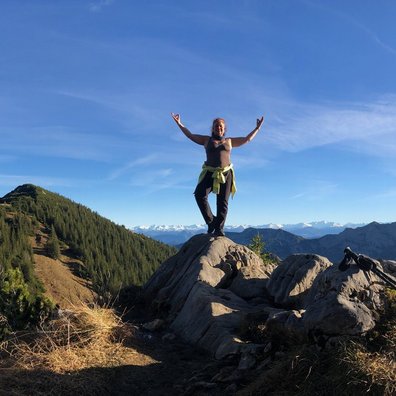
(61, 285)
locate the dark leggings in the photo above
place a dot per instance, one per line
(201, 196)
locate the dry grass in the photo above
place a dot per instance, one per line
(378, 369)
(70, 354)
(81, 338)
(376, 359)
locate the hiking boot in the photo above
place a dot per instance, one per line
(219, 232)
(212, 225)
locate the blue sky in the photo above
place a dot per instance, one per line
(87, 87)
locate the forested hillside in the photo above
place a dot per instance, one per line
(22, 301)
(113, 256)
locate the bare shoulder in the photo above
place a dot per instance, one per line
(228, 142)
(200, 139)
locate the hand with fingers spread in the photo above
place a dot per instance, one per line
(260, 122)
(176, 117)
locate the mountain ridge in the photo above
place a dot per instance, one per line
(374, 239)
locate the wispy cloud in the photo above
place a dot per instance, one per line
(60, 142)
(43, 181)
(153, 180)
(369, 128)
(387, 194)
(373, 36)
(249, 159)
(317, 190)
(7, 158)
(98, 5)
(126, 106)
(354, 22)
(148, 98)
(142, 161)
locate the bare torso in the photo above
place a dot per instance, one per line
(218, 152)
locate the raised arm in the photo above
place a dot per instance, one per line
(199, 139)
(239, 141)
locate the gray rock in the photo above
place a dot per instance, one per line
(154, 325)
(389, 266)
(247, 361)
(251, 279)
(212, 287)
(341, 303)
(291, 280)
(213, 261)
(211, 319)
(203, 291)
(223, 375)
(168, 337)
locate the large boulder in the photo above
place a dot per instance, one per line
(290, 282)
(204, 292)
(211, 319)
(343, 303)
(325, 300)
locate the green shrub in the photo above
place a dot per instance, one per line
(18, 305)
(257, 245)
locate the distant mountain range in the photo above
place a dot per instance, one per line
(374, 239)
(177, 234)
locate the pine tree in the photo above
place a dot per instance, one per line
(52, 246)
(257, 244)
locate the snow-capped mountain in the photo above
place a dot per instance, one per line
(177, 234)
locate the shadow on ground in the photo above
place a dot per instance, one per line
(177, 370)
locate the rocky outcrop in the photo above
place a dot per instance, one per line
(329, 301)
(206, 292)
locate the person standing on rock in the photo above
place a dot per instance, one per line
(217, 171)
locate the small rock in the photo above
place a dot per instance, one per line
(168, 337)
(265, 363)
(155, 325)
(236, 376)
(231, 389)
(223, 375)
(247, 362)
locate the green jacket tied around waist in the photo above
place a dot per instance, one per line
(218, 177)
